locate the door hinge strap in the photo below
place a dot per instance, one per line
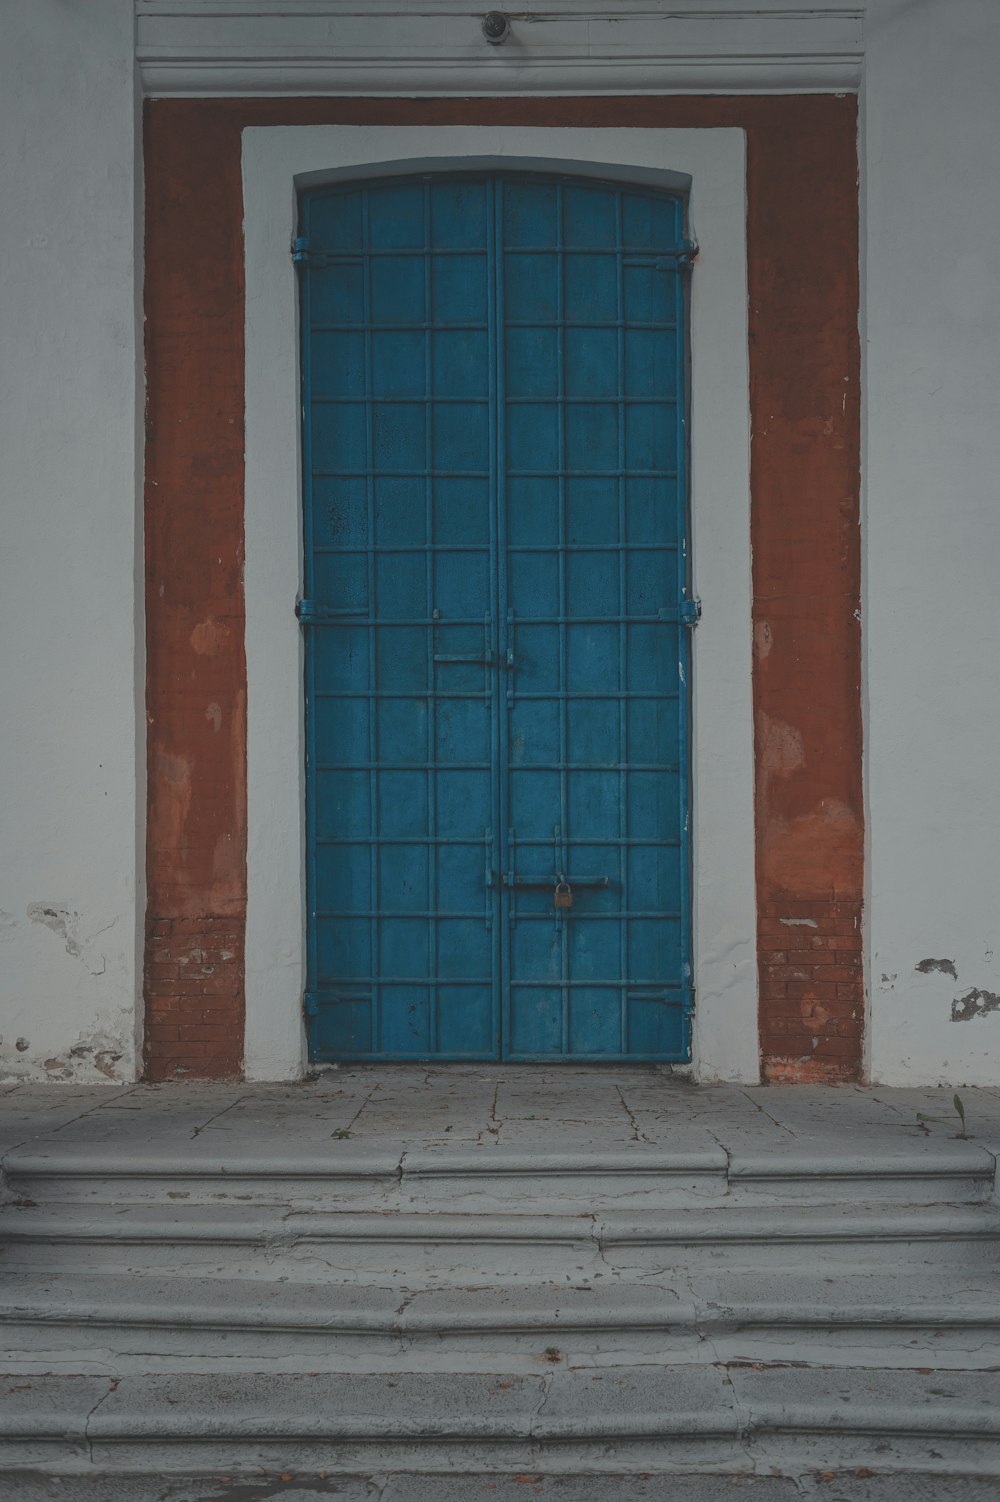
(304, 255)
(311, 613)
(313, 1002)
(679, 259)
(687, 613)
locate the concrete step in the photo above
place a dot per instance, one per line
(716, 1420)
(493, 1180)
(256, 1241)
(90, 1323)
(854, 1484)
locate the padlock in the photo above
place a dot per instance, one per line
(563, 894)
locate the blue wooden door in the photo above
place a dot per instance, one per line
(496, 643)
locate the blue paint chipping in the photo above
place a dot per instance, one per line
(496, 620)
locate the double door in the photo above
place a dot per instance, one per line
(495, 620)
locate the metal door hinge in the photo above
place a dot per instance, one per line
(680, 259)
(304, 255)
(313, 1002)
(310, 612)
(686, 252)
(690, 612)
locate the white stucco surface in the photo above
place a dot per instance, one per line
(931, 120)
(72, 653)
(275, 162)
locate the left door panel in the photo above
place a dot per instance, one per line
(399, 602)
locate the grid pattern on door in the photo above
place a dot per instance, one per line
(494, 581)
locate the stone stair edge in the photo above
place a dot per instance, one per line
(195, 1221)
(322, 1310)
(726, 1421)
(945, 1159)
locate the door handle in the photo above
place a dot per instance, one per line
(510, 880)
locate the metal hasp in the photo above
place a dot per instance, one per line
(496, 611)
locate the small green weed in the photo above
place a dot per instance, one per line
(341, 1134)
(956, 1100)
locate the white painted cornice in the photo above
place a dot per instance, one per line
(435, 47)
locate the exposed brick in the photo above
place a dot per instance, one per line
(204, 971)
(802, 1071)
(811, 990)
(161, 1032)
(835, 1048)
(813, 957)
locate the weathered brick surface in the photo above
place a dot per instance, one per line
(812, 994)
(194, 997)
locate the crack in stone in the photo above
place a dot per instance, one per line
(114, 1384)
(364, 1104)
(205, 1124)
(547, 1382)
(758, 1107)
(637, 1135)
(494, 1124)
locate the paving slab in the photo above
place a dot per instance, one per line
(407, 1103)
(922, 1402)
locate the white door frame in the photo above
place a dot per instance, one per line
(710, 165)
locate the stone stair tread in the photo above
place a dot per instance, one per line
(319, 1158)
(494, 1486)
(929, 1295)
(329, 1158)
(180, 1220)
(253, 1223)
(938, 1297)
(683, 1400)
(806, 1158)
(176, 1300)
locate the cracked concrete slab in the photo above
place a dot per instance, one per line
(514, 1105)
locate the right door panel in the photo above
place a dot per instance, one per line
(594, 719)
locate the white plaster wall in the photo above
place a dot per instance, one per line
(71, 644)
(931, 126)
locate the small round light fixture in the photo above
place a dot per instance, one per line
(496, 27)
